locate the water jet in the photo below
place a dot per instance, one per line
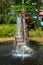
(21, 39)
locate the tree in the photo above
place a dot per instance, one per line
(34, 5)
(37, 4)
(5, 8)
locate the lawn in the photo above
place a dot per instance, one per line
(7, 30)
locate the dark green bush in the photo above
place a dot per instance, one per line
(2, 21)
(8, 20)
(13, 21)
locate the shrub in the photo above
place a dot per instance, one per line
(7, 30)
(2, 21)
(13, 21)
(37, 32)
(8, 20)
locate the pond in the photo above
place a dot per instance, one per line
(6, 57)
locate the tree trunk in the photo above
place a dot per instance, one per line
(2, 14)
(38, 10)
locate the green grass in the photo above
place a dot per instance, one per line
(7, 30)
(37, 32)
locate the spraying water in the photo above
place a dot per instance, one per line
(22, 50)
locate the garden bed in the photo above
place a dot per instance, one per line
(7, 30)
(39, 39)
(34, 33)
(11, 40)
(6, 40)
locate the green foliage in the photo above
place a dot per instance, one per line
(17, 8)
(8, 30)
(13, 21)
(8, 20)
(36, 6)
(2, 21)
(34, 1)
(37, 32)
(18, 1)
(30, 8)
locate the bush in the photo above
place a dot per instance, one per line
(37, 32)
(7, 30)
(13, 21)
(8, 20)
(2, 21)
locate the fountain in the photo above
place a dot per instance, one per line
(21, 39)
